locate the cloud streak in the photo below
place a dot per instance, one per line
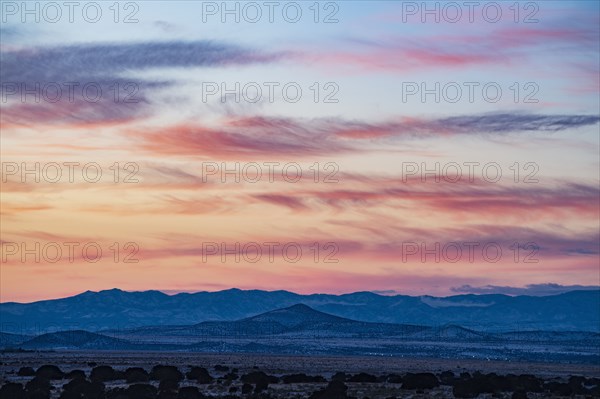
(477, 199)
(259, 137)
(430, 52)
(95, 83)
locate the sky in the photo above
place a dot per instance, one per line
(331, 147)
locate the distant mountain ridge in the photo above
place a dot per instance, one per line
(116, 309)
(299, 329)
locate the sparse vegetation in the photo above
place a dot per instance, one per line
(176, 381)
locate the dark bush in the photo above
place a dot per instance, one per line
(141, 391)
(301, 378)
(576, 384)
(117, 393)
(189, 393)
(246, 389)
(339, 376)
(38, 384)
(525, 382)
(256, 377)
(363, 377)
(420, 381)
(167, 395)
(463, 389)
(447, 378)
(136, 374)
(12, 390)
(200, 375)
(261, 386)
(519, 395)
(103, 374)
(26, 372)
(76, 375)
(335, 390)
(559, 388)
(49, 372)
(161, 372)
(82, 389)
(231, 376)
(168, 385)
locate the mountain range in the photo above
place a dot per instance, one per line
(299, 329)
(116, 310)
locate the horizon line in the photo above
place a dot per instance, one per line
(382, 293)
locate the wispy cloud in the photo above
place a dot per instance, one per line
(258, 137)
(243, 138)
(434, 51)
(485, 124)
(455, 199)
(114, 93)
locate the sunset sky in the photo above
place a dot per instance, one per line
(361, 121)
